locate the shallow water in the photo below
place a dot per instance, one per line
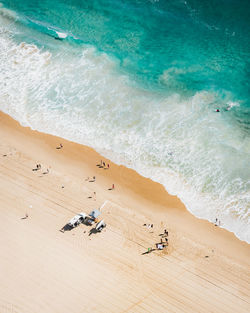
(140, 81)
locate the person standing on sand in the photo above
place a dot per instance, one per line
(113, 186)
(217, 222)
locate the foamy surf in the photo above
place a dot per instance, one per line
(61, 35)
(175, 140)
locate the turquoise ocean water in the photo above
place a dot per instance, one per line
(139, 81)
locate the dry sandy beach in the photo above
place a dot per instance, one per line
(204, 269)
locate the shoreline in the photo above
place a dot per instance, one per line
(158, 194)
(144, 201)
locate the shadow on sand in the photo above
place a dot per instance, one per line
(66, 227)
(93, 231)
(149, 251)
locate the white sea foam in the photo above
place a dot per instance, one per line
(61, 35)
(232, 104)
(7, 13)
(178, 142)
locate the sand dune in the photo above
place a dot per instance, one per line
(204, 269)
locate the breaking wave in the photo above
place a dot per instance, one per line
(176, 139)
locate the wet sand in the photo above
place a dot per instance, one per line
(204, 268)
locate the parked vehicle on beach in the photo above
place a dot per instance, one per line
(99, 226)
(77, 219)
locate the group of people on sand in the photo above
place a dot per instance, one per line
(159, 245)
(92, 180)
(103, 165)
(38, 167)
(217, 222)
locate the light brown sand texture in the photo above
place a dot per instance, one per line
(205, 269)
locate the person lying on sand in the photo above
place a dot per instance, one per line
(60, 147)
(38, 167)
